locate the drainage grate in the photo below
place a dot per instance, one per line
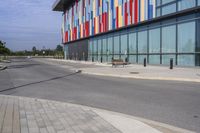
(134, 72)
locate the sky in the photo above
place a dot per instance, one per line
(28, 23)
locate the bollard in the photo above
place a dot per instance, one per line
(126, 59)
(145, 62)
(92, 59)
(171, 63)
(101, 59)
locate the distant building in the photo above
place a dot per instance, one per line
(158, 30)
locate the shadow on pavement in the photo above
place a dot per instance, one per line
(38, 82)
(21, 66)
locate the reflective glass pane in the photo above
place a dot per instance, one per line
(184, 4)
(142, 42)
(169, 39)
(109, 58)
(166, 59)
(116, 45)
(167, 1)
(158, 12)
(104, 46)
(154, 41)
(186, 60)
(99, 46)
(132, 59)
(90, 47)
(186, 37)
(158, 2)
(154, 59)
(95, 47)
(110, 46)
(198, 2)
(168, 9)
(141, 58)
(104, 58)
(132, 43)
(124, 44)
(197, 58)
(99, 49)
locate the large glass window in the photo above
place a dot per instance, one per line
(198, 2)
(104, 46)
(95, 50)
(116, 46)
(110, 49)
(132, 43)
(186, 60)
(167, 1)
(99, 49)
(154, 40)
(169, 39)
(186, 37)
(104, 50)
(90, 50)
(142, 42)
(166, 59)
(169, 9)
(154, 59)
(124, 44)
(184, 4)
(141, 58)
(132, 58)
(95, 47)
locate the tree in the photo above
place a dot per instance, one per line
(3, 49)
(34, 50)
(59, 48)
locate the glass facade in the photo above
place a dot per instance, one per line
(164, 7)
(175, 39)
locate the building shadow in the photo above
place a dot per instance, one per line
(21, 66)
(38, 82)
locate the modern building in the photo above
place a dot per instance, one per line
(158, 30)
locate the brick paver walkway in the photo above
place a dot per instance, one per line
(28, 115)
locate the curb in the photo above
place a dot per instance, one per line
(138, 77)
(3, 68)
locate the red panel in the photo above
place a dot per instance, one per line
(117, 16)
(66, 36)
(106, 21)
(126, 15)
(131, 10)
(136, 11)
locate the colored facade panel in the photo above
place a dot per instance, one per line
(90, 17)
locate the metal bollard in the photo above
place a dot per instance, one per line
(92, 59)
(101, 59)
(145, 62)
(171, 63)
(126, 60)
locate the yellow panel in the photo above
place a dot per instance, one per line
(142, 10)
(120, 16)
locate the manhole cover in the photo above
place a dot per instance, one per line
(134, 72)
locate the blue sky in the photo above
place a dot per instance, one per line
(28, 23)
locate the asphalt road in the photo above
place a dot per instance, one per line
(174, 103)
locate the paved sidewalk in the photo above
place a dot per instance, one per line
(28, 115)
(135, 71)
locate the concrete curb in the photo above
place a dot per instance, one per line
(124, 122)
(3, 68)
(140, 77)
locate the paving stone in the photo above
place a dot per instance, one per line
(27, 115)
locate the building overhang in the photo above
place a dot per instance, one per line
(62, 5)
